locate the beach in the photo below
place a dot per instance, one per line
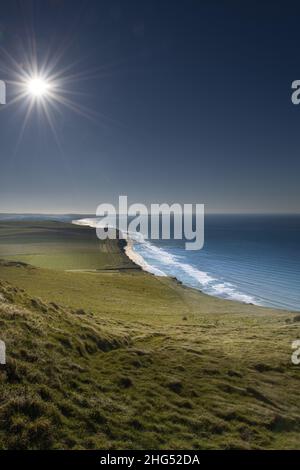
(139, 260)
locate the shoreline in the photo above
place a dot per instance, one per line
(116, 254)
(140, 261)
(132, 255)
(142, 264)
(127, 247)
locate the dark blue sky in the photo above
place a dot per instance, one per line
(187, 101)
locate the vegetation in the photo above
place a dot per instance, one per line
(116, 358)
(59, 246)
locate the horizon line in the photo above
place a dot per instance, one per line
(93, 213)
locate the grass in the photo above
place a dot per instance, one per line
(121, 359)
(58, 246)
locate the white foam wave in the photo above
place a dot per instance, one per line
(94, 223)
(161, 262)
(88, 222)
(188, 274)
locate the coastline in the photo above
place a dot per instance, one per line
(108, 259)
(184, 273)
(140, 261)
(239, 298)
(126, 246)
(132, 255)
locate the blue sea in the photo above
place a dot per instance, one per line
(253, 259)
(249, 258)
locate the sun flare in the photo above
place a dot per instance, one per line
(38, 87)
(45, 89)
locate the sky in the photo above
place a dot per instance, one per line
(162, 101)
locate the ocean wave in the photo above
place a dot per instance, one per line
(165, 263)
(87, 222)
(161, 262)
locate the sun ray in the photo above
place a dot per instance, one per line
(46, 87)
(52, 126)
(23, 127)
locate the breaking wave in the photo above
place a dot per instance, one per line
(168, 264)
(162, 262)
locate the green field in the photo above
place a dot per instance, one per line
(103, 355)
(59, 246)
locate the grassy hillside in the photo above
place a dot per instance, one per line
(58, 245)
(121, 359)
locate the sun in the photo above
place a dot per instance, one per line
(45, 89)
(38, 87)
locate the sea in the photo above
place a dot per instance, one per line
(253, 259)
(248, 258)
